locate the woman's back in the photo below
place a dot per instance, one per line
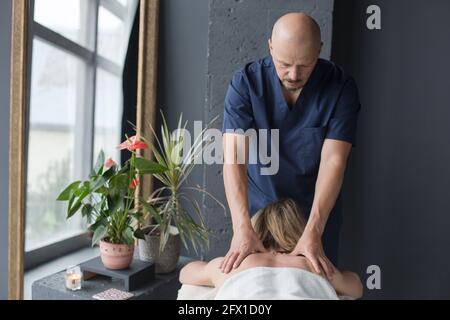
(273, 276)
(266, 259)
(279, 226)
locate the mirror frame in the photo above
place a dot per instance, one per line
(146, 106)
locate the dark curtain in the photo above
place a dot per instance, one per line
(129, 85)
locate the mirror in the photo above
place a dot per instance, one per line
(69, 63)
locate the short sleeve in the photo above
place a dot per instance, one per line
(238, 113)
(342, 125)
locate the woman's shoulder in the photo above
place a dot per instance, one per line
(277, 260)
(260, 259)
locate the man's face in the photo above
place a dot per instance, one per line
(294, 64)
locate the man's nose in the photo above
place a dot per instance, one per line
(294, 74)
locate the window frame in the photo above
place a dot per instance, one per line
(84, 134)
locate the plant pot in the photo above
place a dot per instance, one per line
(166, 261)
(116, 256)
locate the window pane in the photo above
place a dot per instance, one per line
(56, 98)
(112, 36)
(108, 114)
(66, 17)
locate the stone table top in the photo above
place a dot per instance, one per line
(162, 287)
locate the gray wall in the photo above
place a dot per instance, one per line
(202, 43)
(182, 66)
(396, 197)
(238, 33)
(182, 59)
(5, 47)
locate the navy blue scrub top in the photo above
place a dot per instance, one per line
(327, 108)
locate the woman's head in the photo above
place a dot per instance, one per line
(279, 225)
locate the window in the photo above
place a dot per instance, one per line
(77, 57)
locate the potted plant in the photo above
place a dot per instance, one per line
(170, 205)
(106, 201)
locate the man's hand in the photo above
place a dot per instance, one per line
(310, 245)
(244, 242)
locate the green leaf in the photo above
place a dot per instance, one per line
(119, 184)
(98, 168)
(147, 166)
(86, 210)
(84, 187)
(74, 209)
(127, 236)
(120, 180)
(116, 204)
(103, 190)
(159, 158)
(99, 234)
(152, 211)
(125, 168)
(133, 161)
(100, 221)
(139, 234)
(71, 200)
(109, 173)
(98, 183)
(65, 195)
(138, 216)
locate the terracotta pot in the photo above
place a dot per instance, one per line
(116, 256)
(168, 259)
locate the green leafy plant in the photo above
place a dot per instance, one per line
(166, 206)
(106, 199)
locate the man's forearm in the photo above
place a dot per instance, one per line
(235, 178)
(235, 181)
(328, 185)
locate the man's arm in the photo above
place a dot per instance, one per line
(244, 240)
(235, 148)
(329, 182)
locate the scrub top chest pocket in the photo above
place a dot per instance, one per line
(306, 145)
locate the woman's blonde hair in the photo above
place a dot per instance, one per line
(279, 225)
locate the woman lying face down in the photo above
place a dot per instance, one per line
(279, 226)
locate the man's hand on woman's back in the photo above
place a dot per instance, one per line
(311, 247)
(244, 242)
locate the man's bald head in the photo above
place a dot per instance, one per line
(296, 28)
(295, 46)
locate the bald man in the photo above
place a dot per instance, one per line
(314, 105)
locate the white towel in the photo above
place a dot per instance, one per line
(266, 283)
(193, 292)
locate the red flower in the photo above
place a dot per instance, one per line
(109, 163)
(132, 144)
(134, 183)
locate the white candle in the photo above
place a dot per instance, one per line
(73, 279)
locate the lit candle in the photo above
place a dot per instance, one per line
(73, 278)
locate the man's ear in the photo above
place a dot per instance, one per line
(269, 41)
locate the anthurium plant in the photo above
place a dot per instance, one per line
(106, 198)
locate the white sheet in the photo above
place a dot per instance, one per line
(265, 283)
(191, 292)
